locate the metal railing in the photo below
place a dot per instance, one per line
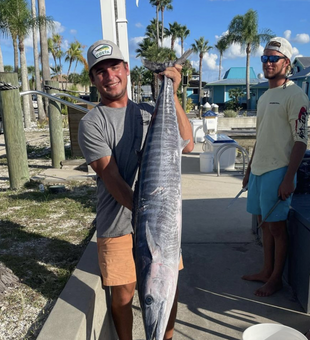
(55, 96)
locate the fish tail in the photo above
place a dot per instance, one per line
(160, 67)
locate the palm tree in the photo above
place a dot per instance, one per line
(235, 94)
(84, 79)
(156, 3)
(149, 50)
(8, 68)
(164, 4)
(38, 86)
(201, 48)
(243, 30)
(183, 34)
(136, 76)
(43, 43)
(221, 46)
(7, 30)
(151, 30)
(31, 72)
(54, 47)
(17, 19)
(173, 32)
(74, 54)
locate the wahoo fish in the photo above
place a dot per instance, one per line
(157, 212)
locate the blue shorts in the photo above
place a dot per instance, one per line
(263, 195)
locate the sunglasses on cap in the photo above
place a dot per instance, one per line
(271, 58)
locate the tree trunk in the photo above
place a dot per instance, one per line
(7, 278)
(162, 28)
(44, 48)
(1, 62)
(157, 25)
(200, 84)
(248, 95)
(139, 93)
(38, 87)
(25, 84)
(220, 66)
(15, 48)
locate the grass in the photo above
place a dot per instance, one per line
(42, 237)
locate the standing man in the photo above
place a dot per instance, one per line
(281, 141)
(110, 136)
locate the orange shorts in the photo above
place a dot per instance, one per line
(116, 262)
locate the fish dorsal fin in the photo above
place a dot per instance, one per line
(153, 247)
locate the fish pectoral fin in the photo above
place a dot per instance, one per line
(184, 143)
(153, 247)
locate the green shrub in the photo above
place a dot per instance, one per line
(230, 113)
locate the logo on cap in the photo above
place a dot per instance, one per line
(101, 50)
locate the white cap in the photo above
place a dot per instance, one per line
(281, 45)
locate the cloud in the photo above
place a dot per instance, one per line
(301, 38)
(73, 31)
(57, 29)
(210, 60)
(218, 37)
(234, 51)
(139, 25)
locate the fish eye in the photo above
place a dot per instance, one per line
(149, 300)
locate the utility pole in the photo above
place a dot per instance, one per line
(114, 27)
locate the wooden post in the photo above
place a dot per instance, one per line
(93, 94)
(56, 128)
(14, 134)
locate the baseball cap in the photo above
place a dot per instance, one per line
(281, 45)
(102, 50)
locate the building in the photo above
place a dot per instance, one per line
(301, 73)
(192, 89)
(218, 92)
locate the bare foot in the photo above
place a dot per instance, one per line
(261, 277)
(269, 288)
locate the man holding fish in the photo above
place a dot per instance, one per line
(111, 136)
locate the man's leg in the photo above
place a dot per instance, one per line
(274, 283)
(121, 310)
(172, 318)
(268, 248)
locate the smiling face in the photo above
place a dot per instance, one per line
(277, 70)
(110, 78)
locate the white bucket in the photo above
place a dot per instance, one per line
(206, 162)
(272, 331)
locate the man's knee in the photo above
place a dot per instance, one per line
(278, 229)
(122, 295)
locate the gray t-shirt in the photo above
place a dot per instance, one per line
(117, 132)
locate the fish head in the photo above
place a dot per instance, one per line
(156, 300)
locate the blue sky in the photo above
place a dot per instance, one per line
(81, 20)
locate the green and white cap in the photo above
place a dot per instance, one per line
(103, 50)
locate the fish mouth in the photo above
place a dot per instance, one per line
(150, 331)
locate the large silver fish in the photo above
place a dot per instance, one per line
(157, 213)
